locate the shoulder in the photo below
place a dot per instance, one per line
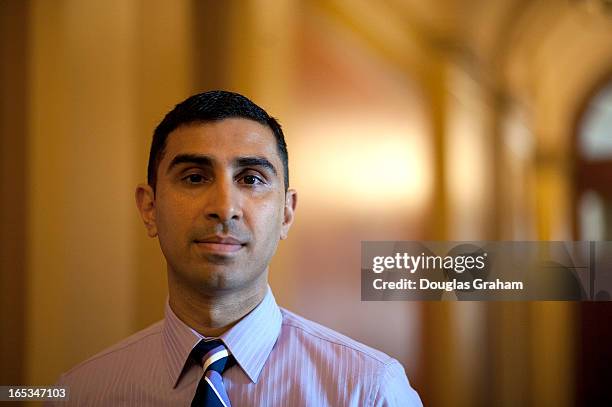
(117, 356)
(356, 367)
(309, 332)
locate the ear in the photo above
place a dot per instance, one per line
(145, 201)
(289, 212)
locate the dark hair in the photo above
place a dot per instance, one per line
(209, 107)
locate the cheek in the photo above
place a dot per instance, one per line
(171, 216)
(268, 220)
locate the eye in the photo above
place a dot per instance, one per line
(194, 179)
(252, 180)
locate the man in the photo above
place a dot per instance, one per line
(218, 200)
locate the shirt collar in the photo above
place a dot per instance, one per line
(250, 341)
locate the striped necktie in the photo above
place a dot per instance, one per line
(215, 359)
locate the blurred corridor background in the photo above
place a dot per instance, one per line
(405, 120)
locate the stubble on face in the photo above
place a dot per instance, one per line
(193, 214)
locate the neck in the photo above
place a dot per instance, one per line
(212, 314)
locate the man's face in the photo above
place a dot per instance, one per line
(220, 205)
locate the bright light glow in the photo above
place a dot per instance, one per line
(352, 164)
(595, 137)
(592, 216)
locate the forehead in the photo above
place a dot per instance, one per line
(222, 140)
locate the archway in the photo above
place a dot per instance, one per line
(593, 221)
(594, 168)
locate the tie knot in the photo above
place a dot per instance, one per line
(213, 355)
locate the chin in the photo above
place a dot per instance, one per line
(219, 278)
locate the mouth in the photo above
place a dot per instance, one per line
(220, 244)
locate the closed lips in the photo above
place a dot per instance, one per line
(220, 244)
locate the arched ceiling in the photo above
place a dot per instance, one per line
(545, 54)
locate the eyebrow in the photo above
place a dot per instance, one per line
(206, 161)
(201, 160)
(255, 162)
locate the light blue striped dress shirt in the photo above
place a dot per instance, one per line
(282, 360)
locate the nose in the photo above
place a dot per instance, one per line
(223, 203)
